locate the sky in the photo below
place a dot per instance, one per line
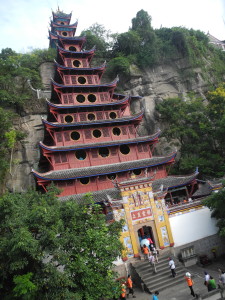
(24, 24)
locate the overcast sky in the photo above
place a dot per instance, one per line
(24, 23)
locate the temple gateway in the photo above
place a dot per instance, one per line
(91, 145)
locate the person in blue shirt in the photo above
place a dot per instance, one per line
(155, 296)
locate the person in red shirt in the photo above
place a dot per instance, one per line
(130, 287)
(190, 283)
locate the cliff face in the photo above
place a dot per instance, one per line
(155, 84)
(164, 81)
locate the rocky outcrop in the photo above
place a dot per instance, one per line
(161, 82)
(154, 85)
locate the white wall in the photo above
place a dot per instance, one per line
(192, 226)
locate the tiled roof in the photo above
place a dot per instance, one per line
(87, 86)
(170, 182)
(101, 144)
(62, 50)
(136, 180)
(204, 189)
(105, 169)
(98, 196)
(54, 24)
(102, 67)
(64, 106)
(88, 123)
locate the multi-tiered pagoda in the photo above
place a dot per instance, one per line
(92, 144)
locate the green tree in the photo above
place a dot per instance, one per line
(198, 130)
(215, 202)
(142, 25)
(127, 43)
(56, 250)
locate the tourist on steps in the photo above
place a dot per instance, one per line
(190, 283)
(207, 277)
(145, 252)
(130, 287)
(211, 284)
(155, 296)
(172, 266)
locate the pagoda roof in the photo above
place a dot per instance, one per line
(54, 24)
(60, 14)
(136, 117)
(114, 193)
(62, 68)
(98, 196)
(171, 182)
(113, 103)
(131, 97)
(140, 139)
(76, 39)
(69, 174)
(166, 183)
(77, 53)
(86, 86)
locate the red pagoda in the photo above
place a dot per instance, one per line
(91, 136)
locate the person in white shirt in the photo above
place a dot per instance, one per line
(151, 258)
(221, 278)
(207, 277)
(172, 267)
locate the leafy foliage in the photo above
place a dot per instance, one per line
(56, 250)
(199, 129)
(216, 204)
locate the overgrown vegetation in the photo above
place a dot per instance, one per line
(15, 70)
(146, 47)
(56, 250)
(215, 202)
(198, 128)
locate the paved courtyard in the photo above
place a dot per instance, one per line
(182, 292)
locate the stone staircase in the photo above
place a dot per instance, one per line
(146, 277)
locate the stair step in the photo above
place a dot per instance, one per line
(163, 278)
(161, 287)
(159, 276)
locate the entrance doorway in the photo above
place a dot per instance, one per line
(146, 232)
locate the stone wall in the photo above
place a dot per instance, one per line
(204, 246)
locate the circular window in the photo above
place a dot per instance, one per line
(81, 154)
(103, 152)
(72, 48)
(116, 131)
(112, 115)
(76, 63)
(137, 172)
(82, 80)
(124, 149)
(84, 180)
(75, 135)
(91, 98)
(111, 176)
(91, 117)
(68, 119)
(80, 98)
(64, 33)
(97, 133)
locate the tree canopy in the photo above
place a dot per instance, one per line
(197, 126)
(56, 250)
(215, 202)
